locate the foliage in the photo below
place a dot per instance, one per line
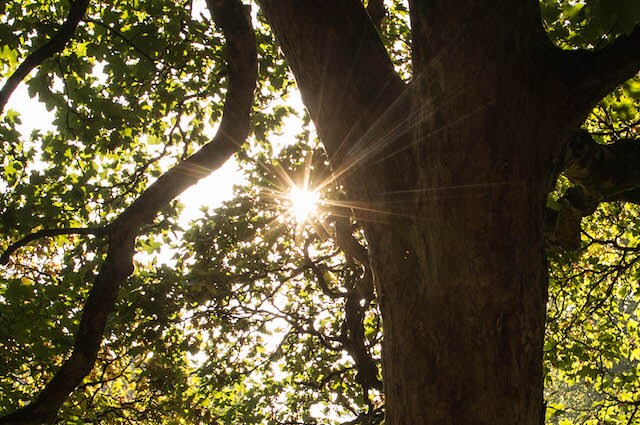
(592, 351)
(588, 23)
(250, 317)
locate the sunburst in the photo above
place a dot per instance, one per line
(304, 203)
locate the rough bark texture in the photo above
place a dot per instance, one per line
(464, 337)
(450, 175)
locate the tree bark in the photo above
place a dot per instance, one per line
(464, 302)
(449, 176)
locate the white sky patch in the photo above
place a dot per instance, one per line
(33, 114)
(199, 7)
(211, 191)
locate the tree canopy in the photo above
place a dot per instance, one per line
(112, 310)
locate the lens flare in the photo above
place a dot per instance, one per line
(304, 203)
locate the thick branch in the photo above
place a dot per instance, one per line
(233, 130)
(116, 268)
(366, 366)
(235, 22)
(373, 417)
(601, 173)
(317, 272)
(564, 226)
(594, 74)
(345, 76)
(347, 242)
(606, 172)
(377, 12)
(356, 304)
(55, 45)
(46, 233)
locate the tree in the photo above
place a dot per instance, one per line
(448, 175)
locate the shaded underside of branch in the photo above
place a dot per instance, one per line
(594, 74)
(377, 12)
(55, 45)
(601, 173)
(607, 172)
(234, 19)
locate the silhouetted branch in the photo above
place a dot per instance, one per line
(317, 272)
(606, 172)
(355, 343)
(370, 418)
(601, 173)
(45, 233)
(233, 130)
(347, 242)
(55, 45)
(594, 74)
(377, 12)
(235, 22)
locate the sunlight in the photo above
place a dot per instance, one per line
(304, 203)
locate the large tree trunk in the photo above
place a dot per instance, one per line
(462, 277)
(456, 198)
(463, 280)
(463, 299)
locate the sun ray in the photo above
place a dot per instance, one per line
(362, 152)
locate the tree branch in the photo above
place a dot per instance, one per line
(346, 77)
(121, 36)
(345, 240)
(234, 20)
(55, 45)
(45, 233)
(355, 343)
(377, 12)
(356, 304)
(233, 130)
(606, 172)
(601, 173)
(102, 297)
(594, 74)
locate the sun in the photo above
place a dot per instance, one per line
(304, 203)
